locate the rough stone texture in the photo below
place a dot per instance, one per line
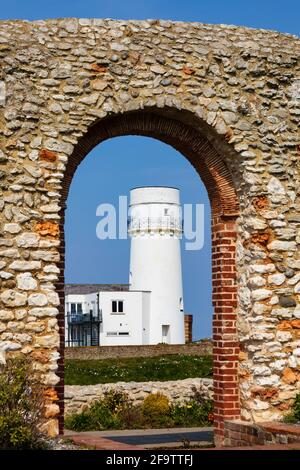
(226, 97)
(79, 397)
(25, 281)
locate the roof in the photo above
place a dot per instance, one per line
(91, 288)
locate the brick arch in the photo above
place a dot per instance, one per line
(183, 137)
(195, 146)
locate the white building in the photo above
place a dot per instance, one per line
(150, 309)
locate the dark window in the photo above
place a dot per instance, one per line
(123, 333)
(73, 308)
(79, 308)
(117, 306)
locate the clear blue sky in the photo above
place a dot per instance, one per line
(121, 163)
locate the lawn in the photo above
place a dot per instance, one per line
(137, 369)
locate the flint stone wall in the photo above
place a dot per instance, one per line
(80, 397)
(226, 97)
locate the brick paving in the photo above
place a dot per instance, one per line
(95, 442)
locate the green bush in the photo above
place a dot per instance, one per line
(22, 407)
(155, 405)
(115, 400)
(106, 413)
(192, 412)
(102, 417)
(79, 422)
(294, 415)
(156, 411)
(296, 407)
(133, 417)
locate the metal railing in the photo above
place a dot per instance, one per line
(166, 223)
(83, 329)
(76, 318)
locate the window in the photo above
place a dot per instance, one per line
(166, 211)
(117, 306)
(117, 333)
(76, 308)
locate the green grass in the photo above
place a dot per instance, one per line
(137, 369)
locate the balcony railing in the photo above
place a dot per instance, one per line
(157, 224)
(78, 318)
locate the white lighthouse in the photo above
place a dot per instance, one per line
(155, 228)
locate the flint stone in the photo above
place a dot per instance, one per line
(261, 294)
(13, 298)
(27, 240)
(37, 299)
(12, 228)
(25, 265)
(282, 246)
(43, 312)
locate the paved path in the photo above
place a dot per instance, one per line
(111, 440)
(143, 438)
(164, 438)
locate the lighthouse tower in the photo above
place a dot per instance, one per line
(155, 228)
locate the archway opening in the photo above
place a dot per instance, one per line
(196, 144)
(106, 175)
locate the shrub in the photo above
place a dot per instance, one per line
(197, 412)
(296, 407)
(79, 422)
(115, 400)
(193, 413)
(155, 405)
(156, 411)
(294, 415)
(22, 407)
(133, 417)
(106, 413)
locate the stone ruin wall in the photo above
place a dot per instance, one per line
(237, 87)
(79, 397)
